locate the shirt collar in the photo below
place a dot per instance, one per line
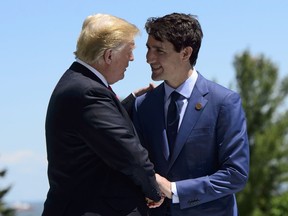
(93, 70)
(185, 89)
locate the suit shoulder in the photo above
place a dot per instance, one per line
(215, 92)
(217, 88)
(76, 86)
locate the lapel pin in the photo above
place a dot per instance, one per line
(198, 106)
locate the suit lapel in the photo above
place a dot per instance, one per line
(159, 119)
(196, 105)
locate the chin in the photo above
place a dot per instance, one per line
(156, 78)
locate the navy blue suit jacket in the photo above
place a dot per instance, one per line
(210, 162)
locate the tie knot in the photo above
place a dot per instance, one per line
(177, 99)
(174, 96)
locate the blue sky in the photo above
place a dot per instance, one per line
(38, 39)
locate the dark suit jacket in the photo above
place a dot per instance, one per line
(95, 160)
(210, 161)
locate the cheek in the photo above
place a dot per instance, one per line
(120, 69)
(170, 64)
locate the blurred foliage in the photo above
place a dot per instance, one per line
(4, 209)
(264, 99)
(280, 205)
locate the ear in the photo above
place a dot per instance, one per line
(108, 56)
(186, 53)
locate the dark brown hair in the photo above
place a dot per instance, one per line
(180, 29)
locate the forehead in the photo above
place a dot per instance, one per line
(153, 43)
(129, 44)
(126, 46)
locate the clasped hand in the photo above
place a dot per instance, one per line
(165, 187)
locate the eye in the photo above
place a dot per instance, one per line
(160, 51)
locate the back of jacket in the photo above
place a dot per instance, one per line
(95, 160)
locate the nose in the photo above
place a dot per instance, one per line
(149, 57)
(131, 57)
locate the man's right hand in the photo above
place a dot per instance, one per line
(165, 185)
(143, 90)
(153, 204)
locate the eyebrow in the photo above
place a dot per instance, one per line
(157, 47)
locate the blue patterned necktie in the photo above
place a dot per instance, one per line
(173, 116)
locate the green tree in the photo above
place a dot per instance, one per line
(4, 210)
(264, 99)
(280, 205)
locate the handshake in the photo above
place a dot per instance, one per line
(165, 187)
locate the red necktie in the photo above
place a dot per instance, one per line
(109, 87)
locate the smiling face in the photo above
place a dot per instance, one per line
(167, 64)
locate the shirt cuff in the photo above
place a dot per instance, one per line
(175, 197)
